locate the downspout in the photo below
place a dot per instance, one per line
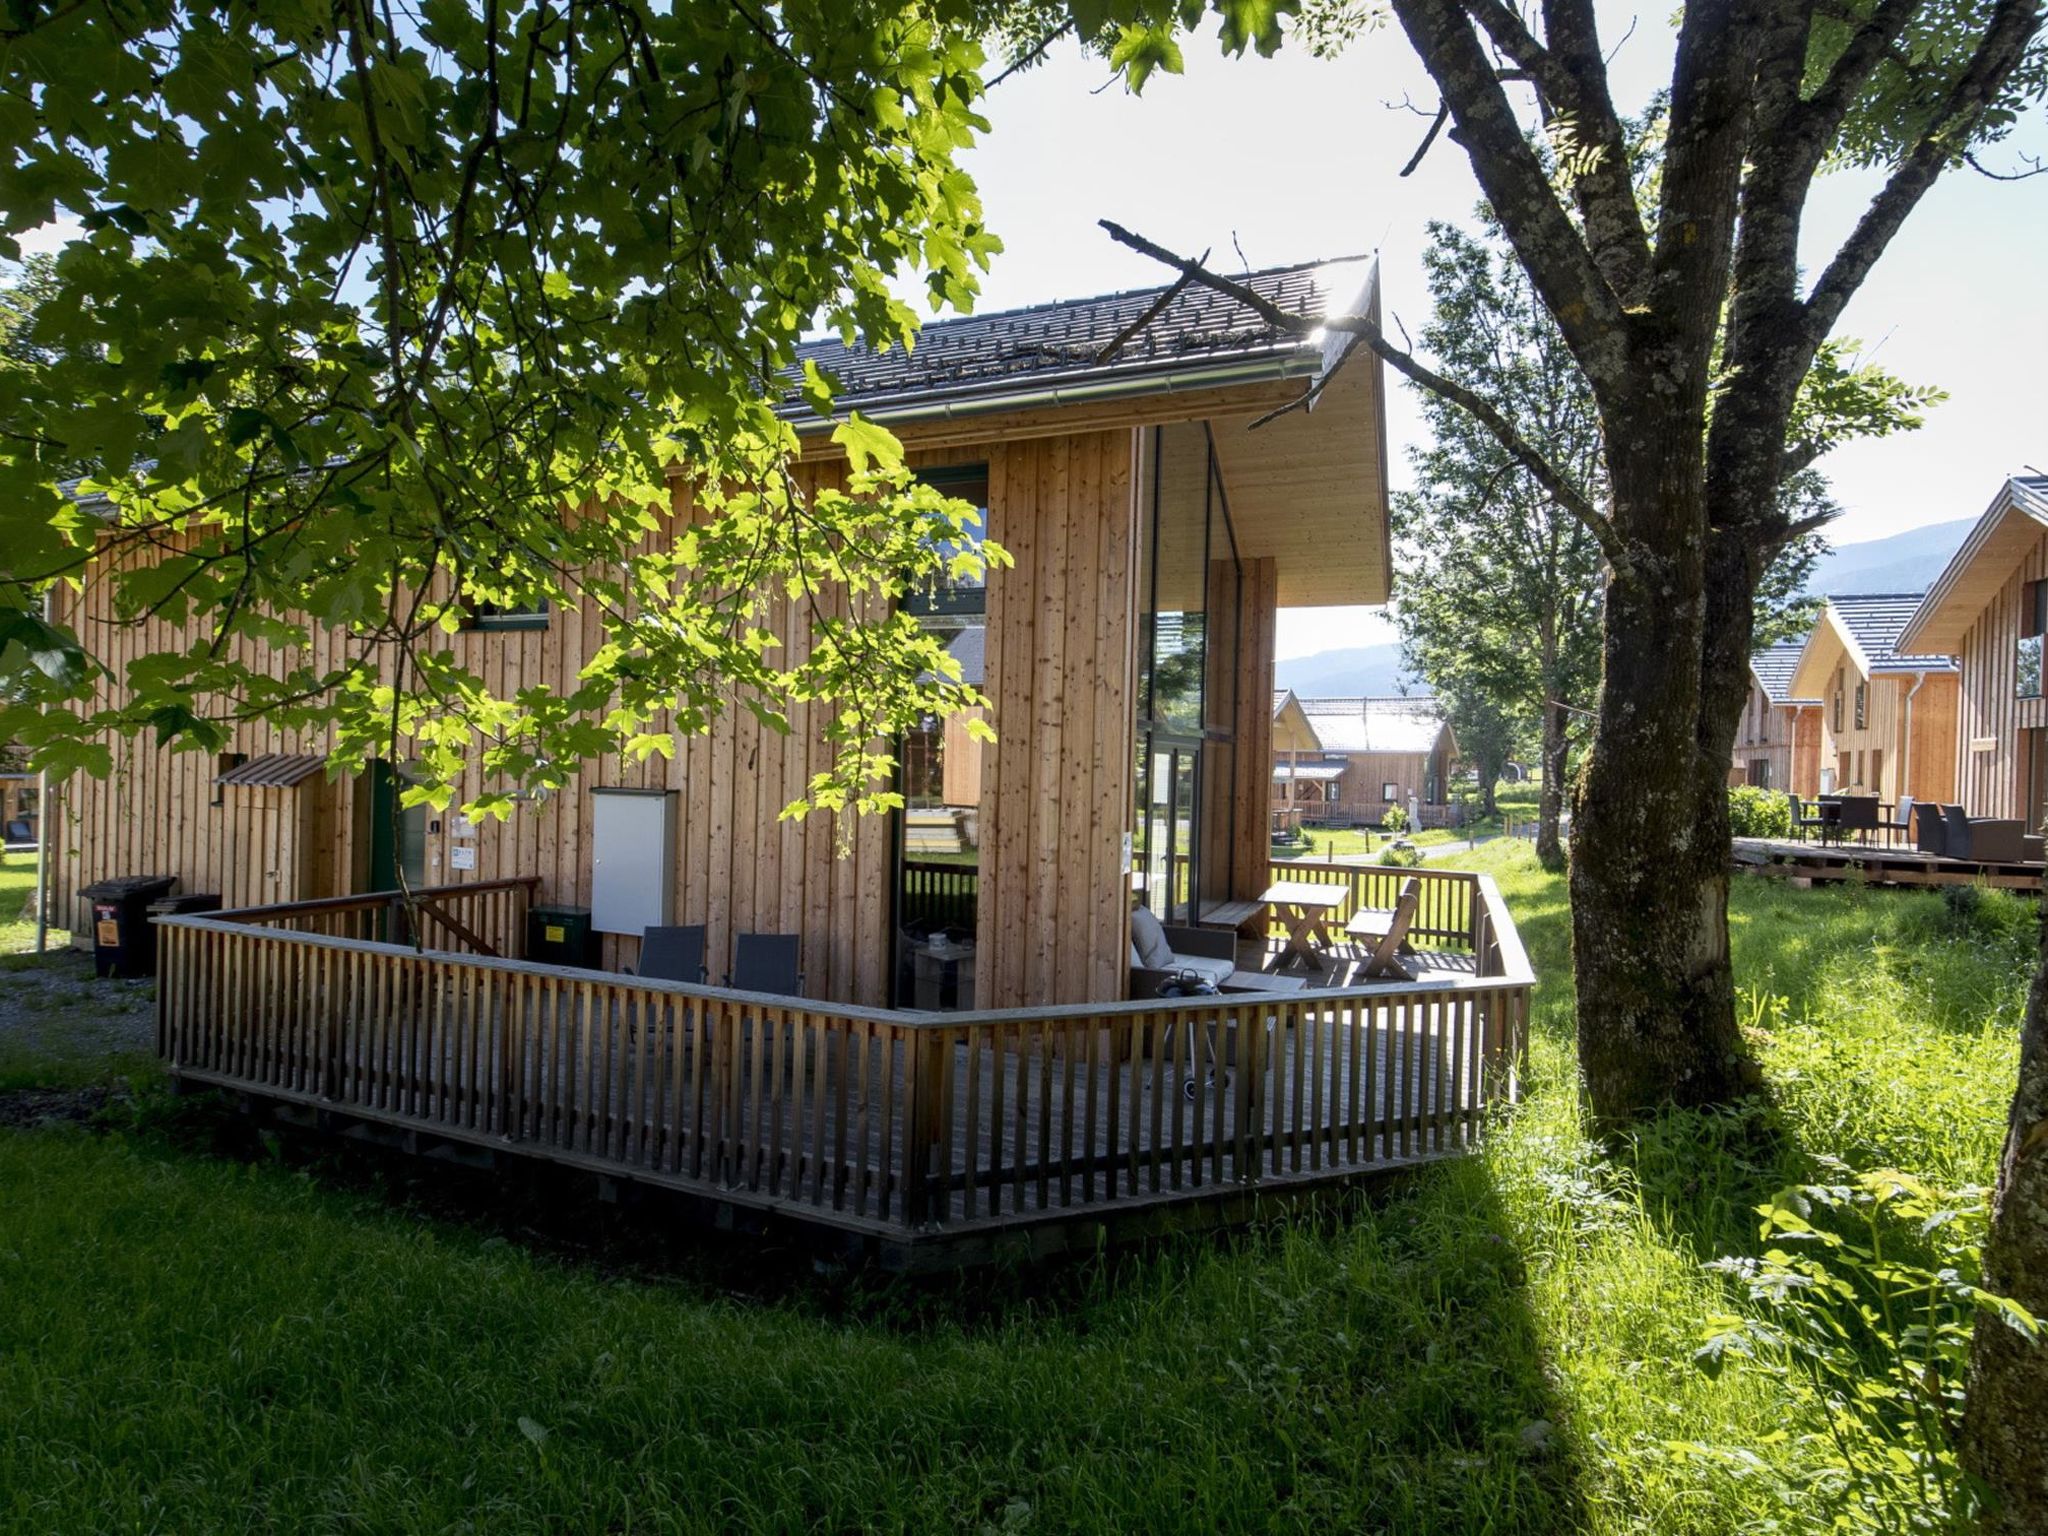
(43, 820)
(1906, 756)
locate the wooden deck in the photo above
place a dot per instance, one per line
(926, 1140)
(1833, 863)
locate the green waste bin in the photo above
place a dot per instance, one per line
(561, 936)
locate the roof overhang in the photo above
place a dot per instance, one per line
(1308, 488)
(273, 770)
(1975, 573)
(1299, 429)
(1830, 641)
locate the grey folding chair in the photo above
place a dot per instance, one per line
(674, 954)
(767, 962)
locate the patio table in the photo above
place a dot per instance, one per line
(1309, 908)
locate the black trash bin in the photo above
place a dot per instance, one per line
(561, 936)
(123, 942)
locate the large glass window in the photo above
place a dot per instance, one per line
(1190, 595)
(938, 862)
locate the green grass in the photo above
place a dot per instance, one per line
(17, 905)
(192, 1342)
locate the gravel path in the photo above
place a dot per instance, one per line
(53, 1009)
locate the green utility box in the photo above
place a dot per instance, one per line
(561, 936)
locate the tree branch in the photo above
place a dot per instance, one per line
(1367, 330)
(1515, 183)
(2005, 40)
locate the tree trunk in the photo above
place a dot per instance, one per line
(2005, 1414)
(1648, 881)
(1550, 801)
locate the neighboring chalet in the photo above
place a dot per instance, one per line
(1989, 609)
(1346, 761)
(1888, 714)
(1126, 657)
(1778, 744)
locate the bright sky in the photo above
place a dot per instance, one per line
(1299, 159)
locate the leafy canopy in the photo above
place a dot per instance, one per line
(383, 313)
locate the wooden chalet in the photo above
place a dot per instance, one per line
(1346, 761)
(1888, 714)
(1777, 745)
(961, 1075)
(1989, 610)
(1155, 537)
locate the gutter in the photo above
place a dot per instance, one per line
(1293, 363)
(43, 820)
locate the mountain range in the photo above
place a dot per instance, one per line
(1351, 669)
(1904, 562)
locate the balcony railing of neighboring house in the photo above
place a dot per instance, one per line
(937, 895)
(928, 1139)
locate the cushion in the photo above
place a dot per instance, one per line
(1208, 967)
(1149, 939)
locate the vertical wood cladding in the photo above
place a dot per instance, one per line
(1054, 915)
(1054, 794)
(1990, 717)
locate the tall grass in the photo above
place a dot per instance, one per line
(189, 1342)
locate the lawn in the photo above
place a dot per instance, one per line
(17, 904)
(194, 1341)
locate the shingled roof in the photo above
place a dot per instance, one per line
(1046, 345)
(1874, 620)
(1773, 667)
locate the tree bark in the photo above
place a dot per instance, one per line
(1550, 798)
(1648, 879)
(2005, 1414)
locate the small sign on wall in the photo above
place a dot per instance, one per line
(461, 826)
(462, 858)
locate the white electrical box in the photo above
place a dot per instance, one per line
(632, 849)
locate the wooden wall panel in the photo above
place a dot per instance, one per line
(1989, 717)
(1054, 914)
(1054, 794)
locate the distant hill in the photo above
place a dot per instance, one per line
(1355, 669)
(1905, 562)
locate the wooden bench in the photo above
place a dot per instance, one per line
(1230, 914)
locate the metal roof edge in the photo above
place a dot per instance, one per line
(1989, 521)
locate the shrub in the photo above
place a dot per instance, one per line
(1867, 1309)
(1754, 812)
(1401, 855)
(1396, 819)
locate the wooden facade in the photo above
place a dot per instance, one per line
(1318, 774)
(1985, 610)
(1055, 789)
(1887, 718)
(1778, 745)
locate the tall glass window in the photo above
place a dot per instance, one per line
(938, 845)
(1189, 594)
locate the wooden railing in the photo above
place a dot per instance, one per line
(905, 1125)
(482, 917)
(1446, 910)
